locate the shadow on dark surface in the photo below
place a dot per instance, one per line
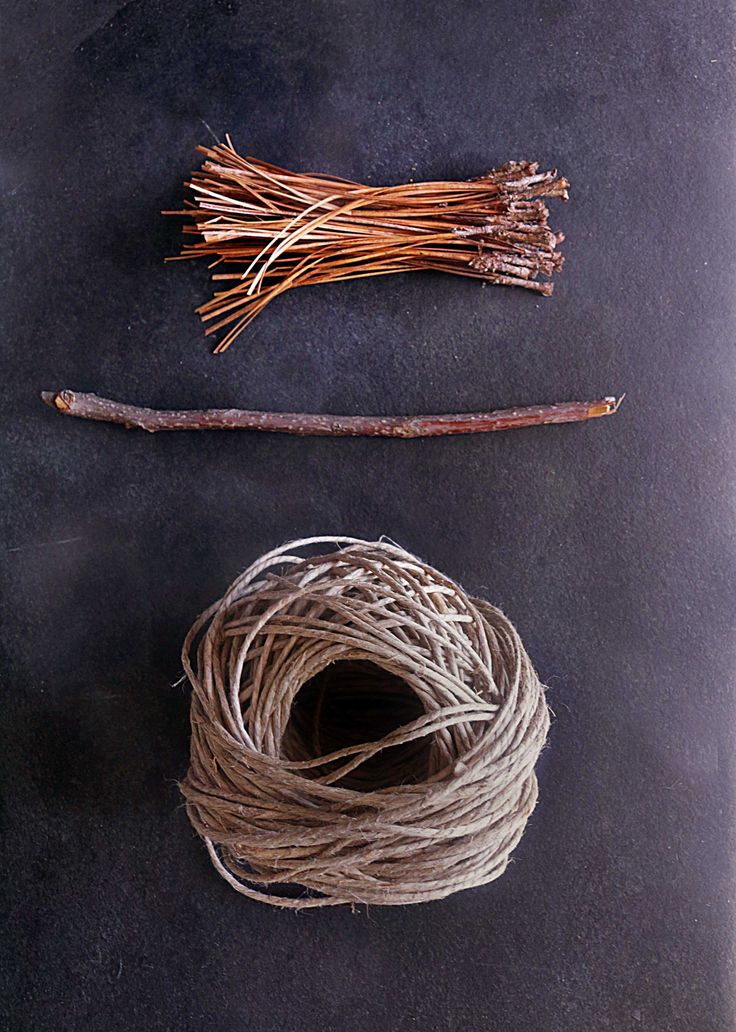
(135, 236)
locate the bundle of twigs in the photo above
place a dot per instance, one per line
(268, 230)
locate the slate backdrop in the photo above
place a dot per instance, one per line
(610, 544)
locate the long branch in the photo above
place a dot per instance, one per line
(90, 406)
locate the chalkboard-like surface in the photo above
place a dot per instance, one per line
(610, 544)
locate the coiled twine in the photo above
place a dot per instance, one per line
(361, 729)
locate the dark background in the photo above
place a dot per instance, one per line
(610, 544)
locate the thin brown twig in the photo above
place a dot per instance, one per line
(90, 406)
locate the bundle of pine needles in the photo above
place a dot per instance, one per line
(267, 230)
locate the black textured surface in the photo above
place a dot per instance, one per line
(610, 544)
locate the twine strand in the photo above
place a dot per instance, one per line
(361, 729)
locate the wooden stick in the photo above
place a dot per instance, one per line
(90, 406)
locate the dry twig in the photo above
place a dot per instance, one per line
(90, 406)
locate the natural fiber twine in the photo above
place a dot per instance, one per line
(361, 728)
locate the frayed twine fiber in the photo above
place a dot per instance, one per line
(361, 728)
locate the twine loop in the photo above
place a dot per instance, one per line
(361, 729)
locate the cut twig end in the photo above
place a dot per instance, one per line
(605, 407)
(59, 400)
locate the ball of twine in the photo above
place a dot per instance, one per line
(361, 729)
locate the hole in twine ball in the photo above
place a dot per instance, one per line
(362, 730)
(355, 703)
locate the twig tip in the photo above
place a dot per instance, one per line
(56, 400)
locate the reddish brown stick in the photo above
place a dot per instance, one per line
(89, 406)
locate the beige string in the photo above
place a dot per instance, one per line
(361, 728)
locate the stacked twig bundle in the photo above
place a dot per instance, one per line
(267, 230)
